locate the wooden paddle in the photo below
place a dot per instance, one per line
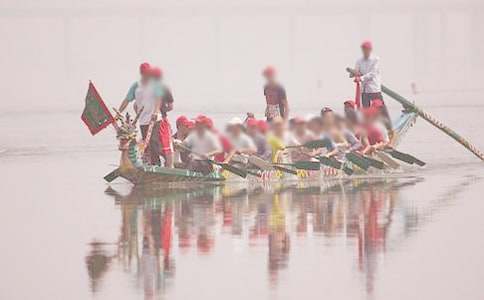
(267, 166)
(373, 162)
(303, 165)
(405, 157)
(112, 175)
(316, 144)
(226, 166)
(387, 160)
(335, 164)
(359, 161)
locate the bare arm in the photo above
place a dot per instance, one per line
(285, 112)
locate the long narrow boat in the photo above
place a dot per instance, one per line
(136, 171)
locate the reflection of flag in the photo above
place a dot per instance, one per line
(95, 115)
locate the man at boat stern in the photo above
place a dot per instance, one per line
(147, 101)
(367, 70)
(165, 132)
(276, 99)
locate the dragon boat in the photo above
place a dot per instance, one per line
(134, 169)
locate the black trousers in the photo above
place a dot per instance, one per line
(153, 149)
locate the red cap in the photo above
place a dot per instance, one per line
(190, 124)
(269, 71)
(204, 120)
(377, 103)
(367, 45)
(350, 103)
(252, 122)
(155, 72)
(262, 125)
(181, 120)
(144, 68)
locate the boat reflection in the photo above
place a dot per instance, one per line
(157, 229)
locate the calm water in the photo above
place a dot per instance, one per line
(68, 235)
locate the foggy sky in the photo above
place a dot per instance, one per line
(212, 52)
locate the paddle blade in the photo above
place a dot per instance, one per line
(237, 171)
(401, 156)
(360, 162)
(307, 165)
(330, 162)
(348, 171)
(112, 175)
(316, 144)
(285, 170)
(373, 162)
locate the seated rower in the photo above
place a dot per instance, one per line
(299, 136)
(242, 144)
(375, 136)
(278, 139)
(183, 128)
(259, 137)
(383, 117)
(203, 144)
(334, 137)
(316, 129)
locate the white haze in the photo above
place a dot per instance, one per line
(212, 52)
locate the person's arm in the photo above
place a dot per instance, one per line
(374, 71)
(285, 104)
(129, 97)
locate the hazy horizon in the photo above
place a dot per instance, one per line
(213, 52)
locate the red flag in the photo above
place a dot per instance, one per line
(95, 115)
(358, 93)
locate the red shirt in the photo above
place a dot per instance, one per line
(374, 135)
(226, 146)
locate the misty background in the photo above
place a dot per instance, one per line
(212, 52)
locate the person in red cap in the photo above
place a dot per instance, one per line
(276, 99)
(368, 72)
(183, 128)
(166, 105)
(147, 101)
(203, 144)
(259, 137)
(374, 136)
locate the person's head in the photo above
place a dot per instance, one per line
(184, 125)
(315, 125)
(156, 73)
(269, 73)
(278, 127)
(202, 124)
(299, 126)
(366, 48)
(328, 116)
(144, 70)
(235, 127)
(252, 126)
(350, 111)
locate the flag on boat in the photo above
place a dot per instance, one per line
(96, 115)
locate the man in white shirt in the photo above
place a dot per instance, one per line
(368, 71)
(203, 145)
(241, 143)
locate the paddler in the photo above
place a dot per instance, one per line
(242, 144)
(368, 72)
(334, 137)
(183, 128)
(259, 137)
(166, 143)
(147, 102)
(278, 139)
(276, 99)
(203, 145)
(299, 135)
(375, 136)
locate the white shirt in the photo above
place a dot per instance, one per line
(242, 142)
(145, 97)
(204, 144)
(370, 71)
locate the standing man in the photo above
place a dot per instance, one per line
(368, 71)
(165, 132)
(276, 100)
(147, 101)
